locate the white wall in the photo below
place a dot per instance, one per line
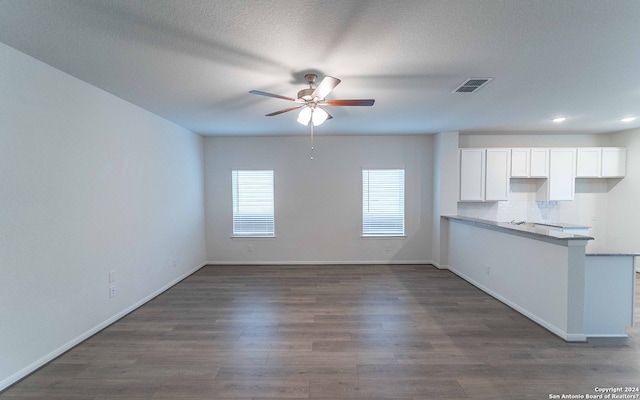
(445, 192)
(89, 183)
(624, 197)
(532, 140)
(590, 206)
(318, 210)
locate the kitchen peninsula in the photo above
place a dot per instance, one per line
(545, 274)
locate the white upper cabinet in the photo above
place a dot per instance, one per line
(589, 162)
(562, 173)
(539, 163)
(484, 174)
(601, 162)
(614, 162)
(520, 163)
(562, 162)
(472, 178)
(498, 162)
(529, 163)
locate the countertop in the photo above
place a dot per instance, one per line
(611, 254)
(563, 225)
(528, 229)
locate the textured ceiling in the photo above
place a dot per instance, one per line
(194, 61)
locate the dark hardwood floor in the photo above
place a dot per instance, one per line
(330, 332)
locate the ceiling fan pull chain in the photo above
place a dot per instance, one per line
(311, 123)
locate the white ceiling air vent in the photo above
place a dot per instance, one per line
(472, 84)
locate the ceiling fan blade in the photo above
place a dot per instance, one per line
(272, 95)
(325, 87)
(284, 111)
(361, 102)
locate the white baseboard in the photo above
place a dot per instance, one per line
(602, 335)
(439, 266)
(383, 262)
(5, 383)
(569, 337)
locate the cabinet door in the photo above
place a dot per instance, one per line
(614, 162)
(497, 174)
(472, 174)
(562, 174)
(588, 163)
(539, 163)
(520, 163)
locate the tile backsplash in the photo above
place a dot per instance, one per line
(519, 210)
(522, 206)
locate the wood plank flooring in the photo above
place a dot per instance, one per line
(330, 332)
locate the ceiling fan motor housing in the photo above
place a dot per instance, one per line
(305, 94)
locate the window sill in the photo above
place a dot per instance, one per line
(252, 237)
(383, 236)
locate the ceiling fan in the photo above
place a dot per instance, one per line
(312, 101)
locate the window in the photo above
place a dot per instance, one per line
(383, 202)
(252, 203)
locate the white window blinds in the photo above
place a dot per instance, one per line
(383, 202)
(252, 203)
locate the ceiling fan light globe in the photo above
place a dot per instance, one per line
(305, 116)
(319, 116)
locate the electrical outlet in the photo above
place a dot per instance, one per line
(112, 291)
(387, 248)
(250, 248)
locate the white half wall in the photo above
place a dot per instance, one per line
(89, 184)
(318, 203)
(542, 279)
